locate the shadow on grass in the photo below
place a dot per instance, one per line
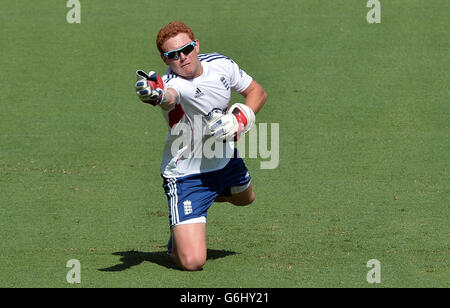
(133, 258)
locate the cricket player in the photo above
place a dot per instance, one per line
(195, 92)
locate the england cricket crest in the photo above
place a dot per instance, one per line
(187, 207)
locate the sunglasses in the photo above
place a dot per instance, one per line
(175, 54)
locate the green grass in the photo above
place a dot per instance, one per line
(364, 145)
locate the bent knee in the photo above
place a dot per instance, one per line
(192, 263)
(245, 202)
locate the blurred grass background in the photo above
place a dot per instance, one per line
(364, 145)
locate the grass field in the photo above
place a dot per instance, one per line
(363, 111)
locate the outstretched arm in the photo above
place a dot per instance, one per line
(170, 99)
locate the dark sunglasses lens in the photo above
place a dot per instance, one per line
(172, 55)
(176, 54)
(188, 49)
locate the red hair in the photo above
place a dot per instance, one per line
(170, 30)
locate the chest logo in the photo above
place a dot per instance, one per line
(225, 83)
(198, 93)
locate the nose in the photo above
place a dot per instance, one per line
(182, 56)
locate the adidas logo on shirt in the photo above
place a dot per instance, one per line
(198, 93)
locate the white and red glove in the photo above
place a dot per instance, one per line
(150, 87)
(238, 120)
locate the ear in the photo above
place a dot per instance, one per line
(197, 46)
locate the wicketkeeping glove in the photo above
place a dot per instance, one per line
(238, 120)
(150, 87)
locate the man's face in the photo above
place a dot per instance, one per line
(187, 66)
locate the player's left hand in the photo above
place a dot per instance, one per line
(238, 120)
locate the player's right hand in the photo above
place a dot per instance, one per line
(239, 119)
(150, 87)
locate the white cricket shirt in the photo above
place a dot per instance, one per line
(187, 150)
